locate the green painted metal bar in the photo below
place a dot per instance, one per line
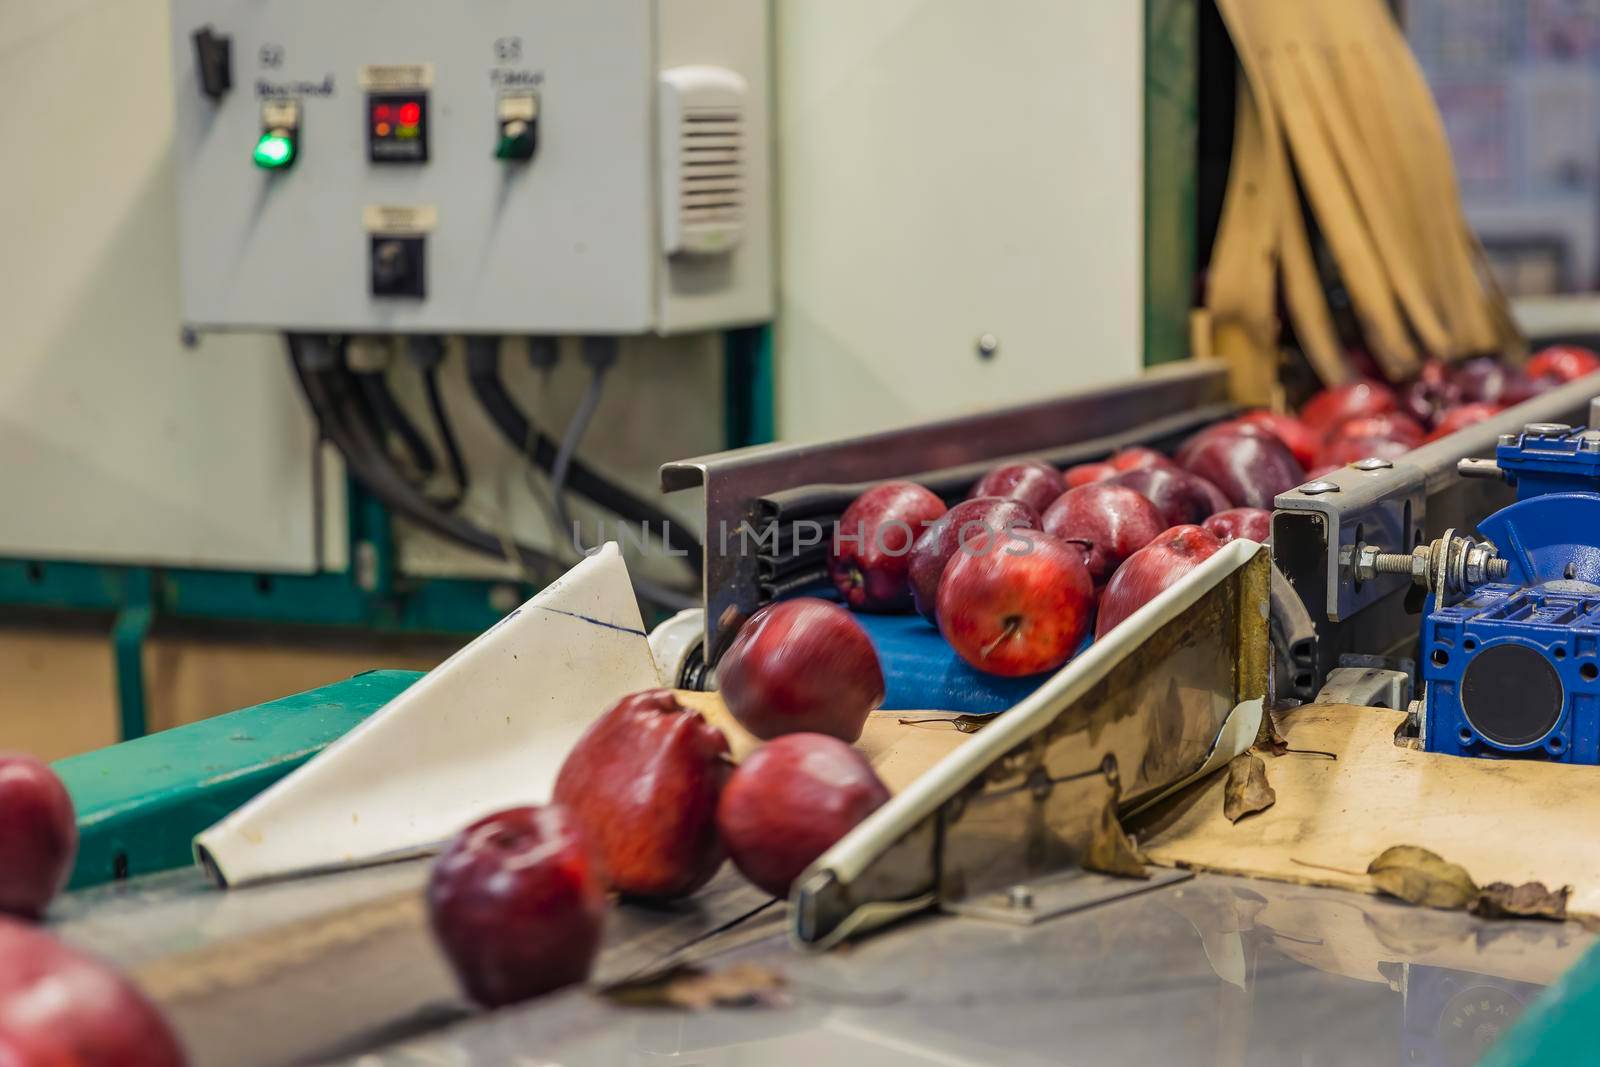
(1171, 100)
(749, 400)
(1559, 1027)
(141, 803)
(127, 646)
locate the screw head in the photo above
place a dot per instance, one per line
(988, 346)
(1508, 439)
(1318, 487)
(1373, 463)
(1546, 429)
(1019, 898)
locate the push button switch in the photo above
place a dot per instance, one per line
(518, 118)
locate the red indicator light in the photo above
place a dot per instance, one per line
(381, 129)
(382, 112)
(410, 113)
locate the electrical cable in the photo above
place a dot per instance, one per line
(483, 373)
(335, 402)
(601, 354)
(314, 367)
(427, 354)
(393, 418)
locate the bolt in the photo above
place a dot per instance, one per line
(1391, 563)
(1373, 463)
(1546, 429)
(988, 346)
(1318, 487)
(1019, 898)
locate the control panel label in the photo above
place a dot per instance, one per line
(400, 220)
(396, 77)
(265, 88)
(509, 79)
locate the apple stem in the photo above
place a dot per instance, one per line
(1012, 625)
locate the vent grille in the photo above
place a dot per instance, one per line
(711, 182)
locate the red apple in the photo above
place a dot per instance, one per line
(1563, 363)
(517, 905)
(59, 1006)
(1391, 425)
(38, 835)
(979, 519)
(1342, 450)
(1180, 496)
(870, 554)
(1020, 607)
(1521, 386)
(801, 665)
(1459, 418)
(790, 801)
(1365, 396)
(1480, 380)
(1087, 474)
(1247, 463)
(1155, 567)
(1251, 524)
(1300, 438)
(1138, 457)
(1033, 482)
(642, 784)
(1108, 522)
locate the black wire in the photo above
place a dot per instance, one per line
(447, 435)
(392, 417)
(483, 372)
(331, 400)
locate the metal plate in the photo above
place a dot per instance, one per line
(1027, 903)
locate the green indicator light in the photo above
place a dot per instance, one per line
(274, 151)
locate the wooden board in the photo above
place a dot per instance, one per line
(1503, 820)
(899, 744)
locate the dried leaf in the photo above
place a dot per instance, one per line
(1530, 900)
(1247, 790)
(1110, 850)
(1270, 740)
(741, 986)
(1418, 876)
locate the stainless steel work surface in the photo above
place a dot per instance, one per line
(1210, 971)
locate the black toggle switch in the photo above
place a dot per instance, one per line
(397, 266)
(213, 56)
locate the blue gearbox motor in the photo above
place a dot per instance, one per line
(1511, 641)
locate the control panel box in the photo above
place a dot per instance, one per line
(503, 166)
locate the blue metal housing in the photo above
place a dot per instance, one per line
(1513, 670)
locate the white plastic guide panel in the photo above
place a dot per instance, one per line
(485, 730)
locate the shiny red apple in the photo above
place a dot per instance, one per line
(969, 521)
(642, 785)
(517, 905)
(869, 556)
(1180, 496)
(1459, 418)
(1087, 474)
(1365, 396)
(1251, 524)
(38, 835)
(801, 665)
(1020, 607)
(1249, 465)
(1563, 363)
(790, 801)
(1138, 457)
(1154, 568)
(1107, 522)
(1390, 425)
(60, 1006)
(1300, 438)
(1033, 482)
(1480, 380)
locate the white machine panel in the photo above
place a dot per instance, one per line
(487, 167)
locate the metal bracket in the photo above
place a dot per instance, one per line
(1366, 687)
(1043, 898)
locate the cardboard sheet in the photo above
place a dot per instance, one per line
(1503, 820)
(899, 751)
